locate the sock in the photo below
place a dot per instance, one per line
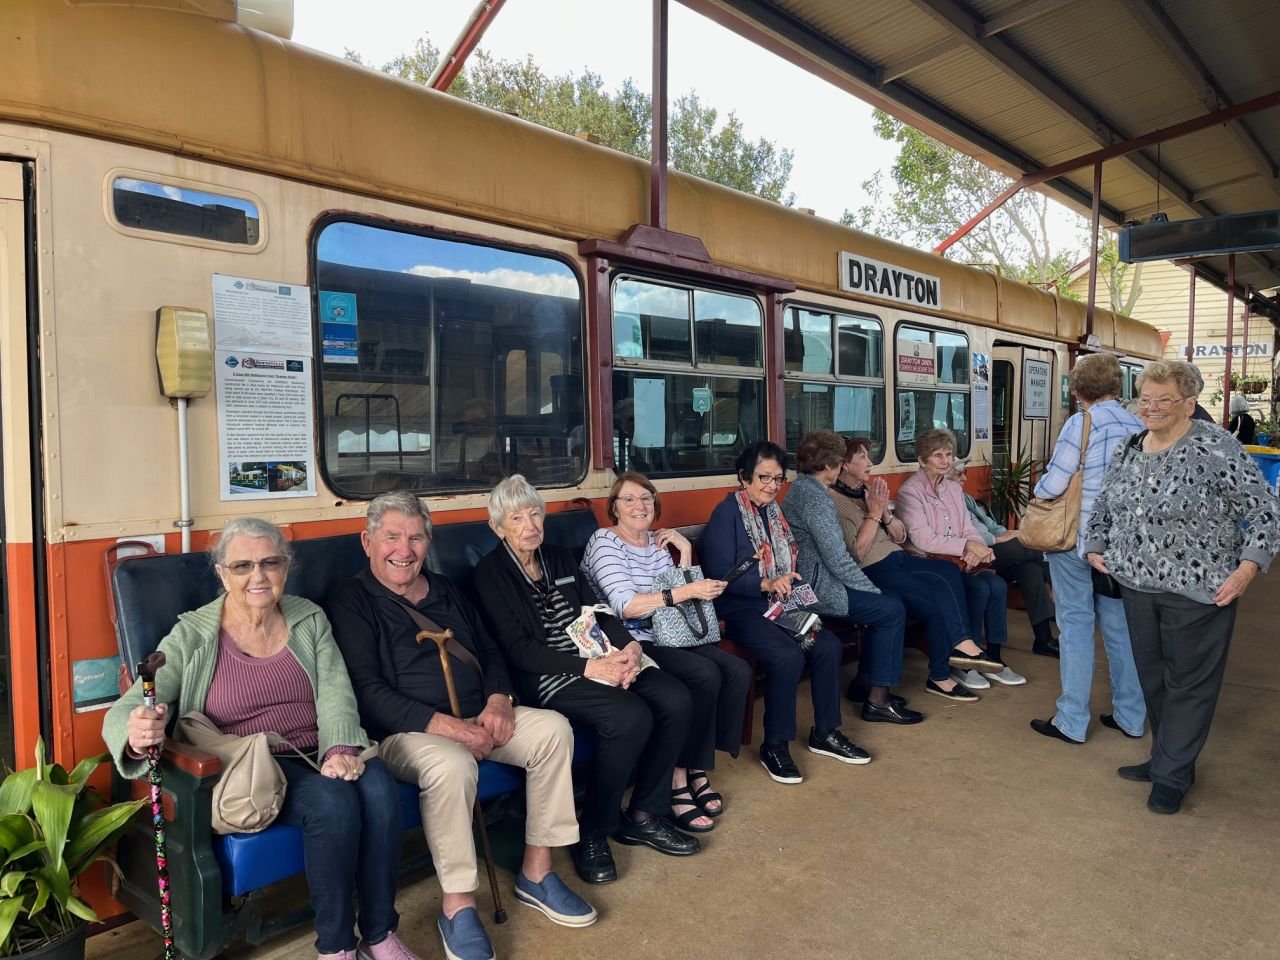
(1042, 632)
(993, 651)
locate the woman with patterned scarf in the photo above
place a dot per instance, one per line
(749, 523)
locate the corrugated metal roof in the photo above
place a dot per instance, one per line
(1026, 84)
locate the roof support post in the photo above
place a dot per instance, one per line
(455, 58)
(1191, 314)
(658, 134)
(1231, 335)
(1093, 249)
(1244, 339)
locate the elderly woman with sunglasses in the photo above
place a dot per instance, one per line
(622, 562)
(1184, 522)
(255, 660)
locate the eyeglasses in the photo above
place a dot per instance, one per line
(242, 568)
(631, 501)
(766, 480)
(1161, 403)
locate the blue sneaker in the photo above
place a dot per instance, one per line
(558, 902)
(464, 937)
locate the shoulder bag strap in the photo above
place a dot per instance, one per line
(453, 646)
(1084, 438)
(700, 631)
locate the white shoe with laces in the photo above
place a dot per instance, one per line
(1007, 677)
(969, 679)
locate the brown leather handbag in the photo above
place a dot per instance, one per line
(1052, 525)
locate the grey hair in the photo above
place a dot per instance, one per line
(1195, 372)
(1238, 404)
(248, 527)
(513, 493)
(397, 501)
(1181, 375)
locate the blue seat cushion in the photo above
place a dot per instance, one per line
(252, 860)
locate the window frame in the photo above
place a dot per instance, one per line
(329, 218)
(633, 366)
(182, 183)
(965, 390)
(836, 378)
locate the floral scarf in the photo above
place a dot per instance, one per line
(773, 563)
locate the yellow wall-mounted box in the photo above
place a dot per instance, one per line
(184, 352)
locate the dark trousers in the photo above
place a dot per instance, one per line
(640, 731)
(885, 619)
(783, 662)
(351, 832)
(718, 683)
(1028, 569)
(988, 598)
(932, 591)
(1180, 650)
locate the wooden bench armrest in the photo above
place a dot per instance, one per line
(197, 762)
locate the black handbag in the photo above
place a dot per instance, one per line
(1104, 584)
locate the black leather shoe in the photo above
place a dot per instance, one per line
(1164, 799)
(776, 759)
(836, 744)
(890, 713)
(1047, 728)
(859, 695)
(593, 859)
(1110, 721)
(659, 833)
(1140, 772)
(1046, 648)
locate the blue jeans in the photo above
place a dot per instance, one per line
(930, 590)
(351, 833)
(988, 598)
(1078, 613)
(885, 618)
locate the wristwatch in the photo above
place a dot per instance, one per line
(667, 599)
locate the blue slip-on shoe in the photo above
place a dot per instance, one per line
(464, 937)
(560, 904)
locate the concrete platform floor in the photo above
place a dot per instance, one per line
(968, 836)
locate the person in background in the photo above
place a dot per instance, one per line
(1243, 427)
(1184, 521)
(1016, 564)
(932, 507)
(257, 660)
(1095, 382)
(1200, 413)
(749, 523)
(843, 589)
(622, 562)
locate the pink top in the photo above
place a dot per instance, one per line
(936, 521)
(257, 695)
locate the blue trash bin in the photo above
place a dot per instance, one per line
(1269, 464)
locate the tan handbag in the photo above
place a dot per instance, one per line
(1052, 525)
(251, 789)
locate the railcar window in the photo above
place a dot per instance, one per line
(688, 383)
(1129, 380)
(446, 365)
(835, 376)
(932, 370)
(164, 208)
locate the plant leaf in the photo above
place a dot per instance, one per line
(97, 831)
(42, 895)
(25, 850)
(86, 766)
(16, 831)
(52, 805)
(81, 909)
(15, 791)
(10, 882)
(9, 909)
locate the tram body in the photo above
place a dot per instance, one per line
(146, 152)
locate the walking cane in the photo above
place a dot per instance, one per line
(146, 672)
(441, 640)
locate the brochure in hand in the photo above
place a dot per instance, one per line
(791, 615)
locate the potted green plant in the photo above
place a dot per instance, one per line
(1011, 485)
(53, 827)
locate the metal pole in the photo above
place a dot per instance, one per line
(1093, 249)
(1231, 334)
(1244, 340)
(1191, 315)
(658, 135)
(454, 59)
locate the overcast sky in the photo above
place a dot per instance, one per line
(828, 130)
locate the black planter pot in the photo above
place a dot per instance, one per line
(69, 946)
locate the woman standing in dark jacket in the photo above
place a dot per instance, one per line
(749, 523)
(530, 592)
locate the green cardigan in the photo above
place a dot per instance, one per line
(191, 653)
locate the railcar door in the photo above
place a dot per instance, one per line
(1022, 397)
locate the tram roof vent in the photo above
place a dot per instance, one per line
(270, 16)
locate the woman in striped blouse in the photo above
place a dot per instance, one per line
(622, 563)
(530, 592)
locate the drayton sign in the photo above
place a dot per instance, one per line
(1216, 351)
(875, 279)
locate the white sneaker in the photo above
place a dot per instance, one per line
(1007, 677)
(970, 679)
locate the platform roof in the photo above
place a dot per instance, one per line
(1027, 84)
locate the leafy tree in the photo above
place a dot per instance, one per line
(935, 189)
(1123, 280)
(621, 119)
